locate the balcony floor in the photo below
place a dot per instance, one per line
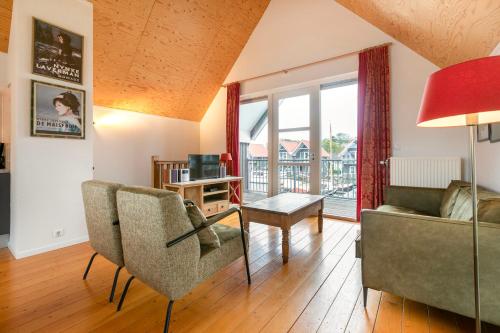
(333, 206)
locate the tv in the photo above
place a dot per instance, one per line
(203, 166)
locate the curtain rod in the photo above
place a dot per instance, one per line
(285, 71)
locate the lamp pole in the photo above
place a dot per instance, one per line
(475, 223)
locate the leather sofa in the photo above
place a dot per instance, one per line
(419, 245)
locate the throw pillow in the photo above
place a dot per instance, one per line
(489, 210)
(462, 209)
(450, 197)
(207, 236)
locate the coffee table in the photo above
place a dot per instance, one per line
(283, 211)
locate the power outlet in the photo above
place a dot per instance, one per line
(57, 233)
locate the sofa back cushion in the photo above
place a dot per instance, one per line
(489, 210)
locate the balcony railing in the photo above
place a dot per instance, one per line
(338, 177)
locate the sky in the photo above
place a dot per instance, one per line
(338, 108)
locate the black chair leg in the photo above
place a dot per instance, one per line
(244, 248)
(88, 266)
(167, 320)
(365, 296)
(113, 288)
(124, 293)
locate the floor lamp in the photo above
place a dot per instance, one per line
(466, 94)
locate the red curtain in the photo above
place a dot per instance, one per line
(233, 132)
(374, 126)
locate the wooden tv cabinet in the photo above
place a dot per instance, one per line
(211, 195)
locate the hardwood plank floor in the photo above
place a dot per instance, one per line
(318, 290)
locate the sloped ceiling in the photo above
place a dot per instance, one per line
(168, 57)
(445, 32)
(5, 17)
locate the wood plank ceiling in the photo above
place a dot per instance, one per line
(445, 32)
(168, 57)
(5, 17)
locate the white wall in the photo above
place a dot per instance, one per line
(46, 172)
(488, 158)
(125, 141)
(3, 70)
(292, 33)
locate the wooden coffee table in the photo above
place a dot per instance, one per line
(283, 211)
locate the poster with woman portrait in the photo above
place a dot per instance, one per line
(57, 52)
(57, 111)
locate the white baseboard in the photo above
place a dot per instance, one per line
(4, 241)
(55, 246)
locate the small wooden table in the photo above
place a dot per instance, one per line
(283, 211)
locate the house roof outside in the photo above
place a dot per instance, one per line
(291, 146)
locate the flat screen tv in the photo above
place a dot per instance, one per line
(203, 166)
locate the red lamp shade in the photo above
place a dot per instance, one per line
(464, 94)
(225, 157)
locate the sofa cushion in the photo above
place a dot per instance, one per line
(450, 197)
(489, 210)
(397, 209)
(207, 237)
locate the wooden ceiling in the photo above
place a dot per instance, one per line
(445, 32)
(5, 17)
(168, 57)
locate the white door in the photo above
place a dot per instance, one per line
(295, 141)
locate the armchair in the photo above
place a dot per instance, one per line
(161, 247)
(101, 216)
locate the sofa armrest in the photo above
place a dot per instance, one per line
(426, 200)
(429, 260)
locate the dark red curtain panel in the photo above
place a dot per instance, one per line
(233, 132)
(374, 126)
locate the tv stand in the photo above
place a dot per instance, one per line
(213, 195)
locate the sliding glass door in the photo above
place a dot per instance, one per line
(302, 141)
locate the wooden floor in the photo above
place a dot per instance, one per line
(319, 290)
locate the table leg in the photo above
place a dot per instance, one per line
(285, 243)
(246, 221)
(320, 218)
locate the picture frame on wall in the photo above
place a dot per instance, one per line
(483, 133)
(57, 111)
(57, 52)
(495, 132)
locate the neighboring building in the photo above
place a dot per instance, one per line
(288, 150)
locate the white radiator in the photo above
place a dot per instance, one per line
(436, 172)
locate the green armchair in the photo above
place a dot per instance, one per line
(419, 245)
(162, 247)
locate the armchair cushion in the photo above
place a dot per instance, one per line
(207, 237)
(225, 232)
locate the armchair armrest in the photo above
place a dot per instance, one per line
(211, 220)
(426, 200)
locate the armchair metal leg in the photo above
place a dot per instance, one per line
(112, 295)
(124, 293)
(167, 320)
(244, 248)
(365, 296)
(88, 266)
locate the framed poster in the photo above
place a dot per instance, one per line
(495, 132)
(57, 111)
(483, 133)
(57, 53)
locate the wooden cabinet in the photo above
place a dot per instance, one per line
(211, 195)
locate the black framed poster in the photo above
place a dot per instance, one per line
(57, 53)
